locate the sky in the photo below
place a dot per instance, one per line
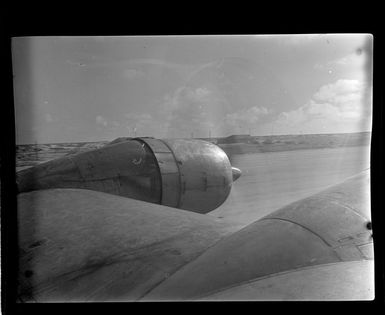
(78, 89)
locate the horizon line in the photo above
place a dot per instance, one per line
(217, 137)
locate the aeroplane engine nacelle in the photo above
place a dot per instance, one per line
(191, 174)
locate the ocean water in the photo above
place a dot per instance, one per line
(272, 180)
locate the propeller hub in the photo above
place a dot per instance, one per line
(236, 173)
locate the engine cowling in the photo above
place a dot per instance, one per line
(189, 174)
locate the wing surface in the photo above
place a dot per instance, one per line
(83, 245)
(328, 228)
(348, 280)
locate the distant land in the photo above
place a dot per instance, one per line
(30, 154)
(241, 144)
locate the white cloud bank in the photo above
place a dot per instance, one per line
(202, 112)
(343, 106)
(192, 111)
(143, 124)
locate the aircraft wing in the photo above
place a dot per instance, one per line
(303, 245)
(83, 245)
(346, 280)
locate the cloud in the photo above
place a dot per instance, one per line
(245, 119)
(343, 106)
(200, 111)
(193, 110)
(144, 125)
(100, 120)
(135, 119)
(185, 96)
(340, 92)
